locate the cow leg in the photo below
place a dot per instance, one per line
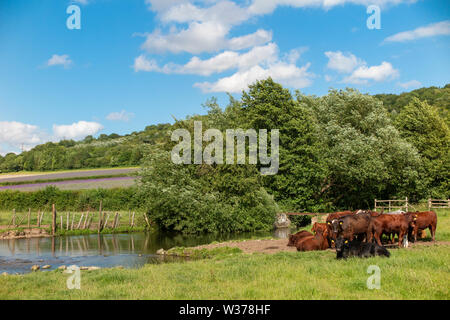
(432, 231)
(416, 230)
(400, 238)
(377, 238)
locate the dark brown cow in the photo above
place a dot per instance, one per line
(350, 226)
(317, 242)
(329, 221)
(425, 219)
(390, 223)
(293, 238)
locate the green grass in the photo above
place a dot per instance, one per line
(418, 273)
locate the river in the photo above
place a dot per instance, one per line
(129, 250)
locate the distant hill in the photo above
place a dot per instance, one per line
(438, 97)
(117, 151)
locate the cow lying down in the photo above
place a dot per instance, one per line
(355, 248)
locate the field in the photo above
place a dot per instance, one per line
(419, 272)
(69, 180)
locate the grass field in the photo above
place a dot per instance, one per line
(421, 272)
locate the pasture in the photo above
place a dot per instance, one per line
(419, 272)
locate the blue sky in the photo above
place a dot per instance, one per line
(140, 62)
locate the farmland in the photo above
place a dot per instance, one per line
(69, 180)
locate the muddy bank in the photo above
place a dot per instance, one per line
(25, 233)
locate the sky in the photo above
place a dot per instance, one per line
(133, 63)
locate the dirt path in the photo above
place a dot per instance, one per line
(280, 245)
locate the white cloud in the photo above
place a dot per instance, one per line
(62, 60)
(285, 73)
(268, 6)
(141, 63)
(17, 135)
(342, 63)
(434, 29)
(77, 130)
(410, 84)
(224, 61)
(120, 116)
(382, 72)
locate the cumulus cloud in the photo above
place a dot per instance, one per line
(342, 63)
(59, 60)
(285, 73)
(205, 27)
(357, 70)
(120, 116)
(382, 72)
(434, 29)
(268, 6)
(77, 130)
(221, 62)
(410, 84)
(18, 135)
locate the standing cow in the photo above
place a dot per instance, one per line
(391, 224)
(349, 226)
(425, 219)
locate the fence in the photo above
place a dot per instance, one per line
(70, 221)
(391, 204)
(438, 204)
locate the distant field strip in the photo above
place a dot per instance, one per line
(113, 182)
(65, 175)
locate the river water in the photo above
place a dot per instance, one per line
(105, 250)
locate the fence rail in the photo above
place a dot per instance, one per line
(391, 204)
(438, 204)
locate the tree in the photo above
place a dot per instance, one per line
(420, 124)
(365, 156)
(267, 105)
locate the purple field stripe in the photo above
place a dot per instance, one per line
(63, 182)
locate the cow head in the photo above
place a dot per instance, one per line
(340, 244)
(336, 225)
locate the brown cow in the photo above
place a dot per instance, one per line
(293, 238)
(319, 226)
(329, 221)
(390, 223)
(317, 242)
(350, 226)
(425, 219)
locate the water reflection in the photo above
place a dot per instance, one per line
(102, 250)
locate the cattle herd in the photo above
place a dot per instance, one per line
(360, 233)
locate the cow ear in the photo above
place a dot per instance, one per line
(346, 241)
(332, 241)
(329, 222)
(341, 222)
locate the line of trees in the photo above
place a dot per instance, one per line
(339, 151)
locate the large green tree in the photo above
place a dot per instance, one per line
(420, 124)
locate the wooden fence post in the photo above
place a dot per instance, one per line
(429, 204)
(375, 205)
(406, 204)
(100, 218)
(53, 219)
(67, 221)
